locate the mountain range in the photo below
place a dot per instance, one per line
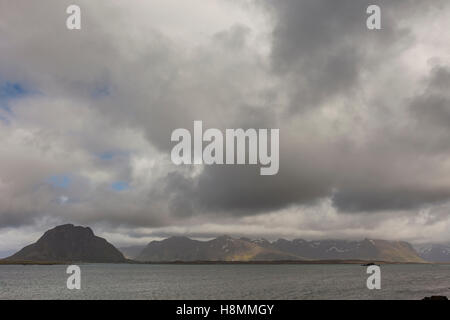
(226, 248)
(434, 252)
(69, 243)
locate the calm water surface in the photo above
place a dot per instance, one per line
(122, 281)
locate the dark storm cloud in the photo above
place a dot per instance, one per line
(370, 200)
(363, 115)
(323, 46)
(432, 107)
(242, 190)
(320, 49)
(410, 156)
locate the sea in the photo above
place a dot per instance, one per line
(224, 281)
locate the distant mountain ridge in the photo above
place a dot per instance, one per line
(69, 243)
(434, 252)
(367, 249)
(226, 248)
(223, 248)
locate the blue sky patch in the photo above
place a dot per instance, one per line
(101, 91)
(120, 186)
(9, 91)
(109, 155)
(60, 181)
(4, 120)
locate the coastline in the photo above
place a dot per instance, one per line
(207, 262)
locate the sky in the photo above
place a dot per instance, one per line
(86, 118)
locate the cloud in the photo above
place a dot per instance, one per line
(363, 116)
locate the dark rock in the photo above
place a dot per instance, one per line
(435, 298)
(69, 243)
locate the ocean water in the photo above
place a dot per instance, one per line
(127, 281)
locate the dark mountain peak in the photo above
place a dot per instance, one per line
(68, 230)
(63, 226)
(173, 240)
(224, 237)
(69, 243)
(281, 240)
(368, 241)
(223, 240)
(178, 238)
(262, 242)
